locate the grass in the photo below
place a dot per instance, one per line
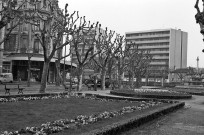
(17, 115)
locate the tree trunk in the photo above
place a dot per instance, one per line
(29, 66)
(162, 81)
(58, 80)
(138, 82)
(95, 83)
(63, 83)
(131, 79)
(44, 77)
(120, 86)
(146, 80)
(103, 79)
(80, 77)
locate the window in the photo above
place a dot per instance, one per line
(24, 27)
(44, 3)
(24, 44)
(6, 67)
(36, 26)
(38, 4)
(10, 43)
(36, 46)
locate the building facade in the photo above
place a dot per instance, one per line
(168, 48)
(23, 43)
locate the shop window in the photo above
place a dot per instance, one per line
(6, 67)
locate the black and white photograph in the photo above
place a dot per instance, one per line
(101, 67)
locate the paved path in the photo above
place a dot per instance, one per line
(51, 88)
(186, 121)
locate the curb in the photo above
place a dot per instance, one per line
(196, 93)
(151, 96)
(32, 95)
(134, 121)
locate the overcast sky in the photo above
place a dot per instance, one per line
(138, 15)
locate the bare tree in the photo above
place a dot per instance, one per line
(107, 46)
(182, 73)
(59, 77)
(200, 18)
(29, 52)
(138, 65)
(11, 15)
(83, 41)
(93, 78)
(50, 29)
(163, 73)
(111, 68)
(122, 56)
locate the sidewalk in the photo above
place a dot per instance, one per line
(51, 88)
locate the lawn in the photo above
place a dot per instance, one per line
(21, 114)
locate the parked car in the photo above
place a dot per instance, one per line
(6, 77)
(107, 83)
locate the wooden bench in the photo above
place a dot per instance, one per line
(13, 86)
(74, 86)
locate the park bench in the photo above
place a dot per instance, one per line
(13, 86)
(74, 86)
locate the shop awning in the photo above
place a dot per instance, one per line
(17, 57)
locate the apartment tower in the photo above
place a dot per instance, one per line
(168, 48)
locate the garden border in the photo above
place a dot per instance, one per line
(150, 95)
(134, 121)
(124, 124)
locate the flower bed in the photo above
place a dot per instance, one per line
(62, 124)
(192, 91)
(152, 93)
(134, 121)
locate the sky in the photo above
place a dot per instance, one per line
(138, 15)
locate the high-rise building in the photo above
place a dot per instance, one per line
(168, 48)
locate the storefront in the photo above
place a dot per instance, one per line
(18, 65)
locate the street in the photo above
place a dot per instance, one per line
(186, 121)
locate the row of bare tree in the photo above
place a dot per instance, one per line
(94, 47)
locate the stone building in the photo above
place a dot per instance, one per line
(22, 42)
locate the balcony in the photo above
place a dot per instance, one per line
(152, 47)
(159, 52)
(161, 57)
(158, 63)
(148, 36)
(151, 41)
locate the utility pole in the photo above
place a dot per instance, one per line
(197, 64)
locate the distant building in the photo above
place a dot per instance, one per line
(168, 48)
(84, 46)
